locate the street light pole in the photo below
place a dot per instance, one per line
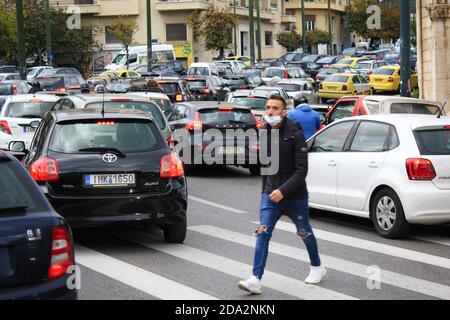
(405, 47)
(258, 31)
(48, 32)
(235, 28)
(149, 36)
(252, 32)
(303, 27)
(330, 36)
(21, 39)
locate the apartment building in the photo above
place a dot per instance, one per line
(170, 23)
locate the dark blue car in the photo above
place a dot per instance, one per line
(36, 244)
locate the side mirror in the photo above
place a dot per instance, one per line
(17, 146)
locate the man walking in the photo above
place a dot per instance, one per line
(306, 117)
(284, 193)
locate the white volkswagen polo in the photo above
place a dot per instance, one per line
(393, 169)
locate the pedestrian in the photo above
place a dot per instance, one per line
(284, 193)
(306, 117)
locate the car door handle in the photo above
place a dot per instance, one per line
(373, 164)
(332, 163)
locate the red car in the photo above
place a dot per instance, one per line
(346, 107)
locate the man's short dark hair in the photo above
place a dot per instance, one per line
(279, 98)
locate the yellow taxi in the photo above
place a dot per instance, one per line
(343, 84)
(348, 62)
(244, 59)
(127, 74)
(387, 78)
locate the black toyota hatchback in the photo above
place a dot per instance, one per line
(36, 246)
(109, 168)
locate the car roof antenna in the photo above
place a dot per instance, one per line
(103, 104)
(441, 110)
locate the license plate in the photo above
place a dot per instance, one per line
(378, 80)
(110, 180)
(29, 129)
(331, 88)
(230, 150)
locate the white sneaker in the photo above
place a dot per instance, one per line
(316, 274)
(252, 285)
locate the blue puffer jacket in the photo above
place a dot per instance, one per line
(305, 116)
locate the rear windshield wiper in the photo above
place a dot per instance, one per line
(13, 208)
(237, 122)
(100, 150)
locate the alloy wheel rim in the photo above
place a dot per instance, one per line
(386, 213)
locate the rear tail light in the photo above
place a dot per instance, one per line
(369, 73)
(44, 170)
(256, 147)
(286, 74)
(179, 97)
(244, 86)
(226, 109)
(206, 91)
(259, 124)
(121, 99)
(14, 89)
(106, 123)
(4, 127)
(447, 127)
(420, 169)
(60, 89)
(61, 257)
(390, 79)
(171, 167)
(195, 125)
(170, 142)
(344, 87)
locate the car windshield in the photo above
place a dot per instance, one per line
(32, 71)
(392, 56)
(16, 193)
(255, 103)
(198, 71)
(169, 87)
(50, 84)
(326, 60)
(219, 116)
(196, 83)
(292, 87)
(148, 107)
(349, 51)
(120, 58)
(384, 72)
(328, 70)
(270, 73)
(433, 142)
(289, 56)
(345, 61)
(252, 72)
(415, 108)
(337, 78)
(123, 135)
(309, 58)
(363, 65)
(6, 89)
(30, 109)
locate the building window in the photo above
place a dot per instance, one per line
(268, 38)
(310, 22)
(176, 32)
(332, 24)
(109, 36)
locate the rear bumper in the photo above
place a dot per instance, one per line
(85, 211)
(384, 87)
(333, 95)
(51, 290)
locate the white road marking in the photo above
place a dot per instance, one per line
(136, 277)
(213, 204)
(234, 268)
(392, 278)
(435, 239)
(371, 246)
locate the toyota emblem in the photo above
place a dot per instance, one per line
(109, 157)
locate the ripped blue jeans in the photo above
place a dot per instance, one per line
(270, 213)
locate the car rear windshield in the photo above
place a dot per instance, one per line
(326, 60)
(226, 116)
(291, 87)
(337, 78)
(254, 103)
(252, 72)
(148, 107)
(28, 109)
(415, 108)
(196, 83)
(328, 70)
(163, 104)
(198, 71)
(124, 135)
(433, 142)
(15, 192)
(384, 72)
(6, 89)
(363, 65)
(309, 58)
(345, 61)
(169, 88)
(270, 73)
(51, 84)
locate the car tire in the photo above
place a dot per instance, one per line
(175, 233)
(371, 91)
(355, 93)
(388, 216)
(255, 170)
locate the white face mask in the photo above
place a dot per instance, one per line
(272, 120)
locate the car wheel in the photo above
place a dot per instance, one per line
(175, 233)
(255, 170)
(371, 91)
(355, 93)
(388, 216)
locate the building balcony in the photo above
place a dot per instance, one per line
(85, 6)
(288, 19)
(182, 5)
(266, 12)
(336, 5)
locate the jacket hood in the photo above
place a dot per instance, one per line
(305, 107)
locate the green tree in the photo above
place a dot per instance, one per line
(8, 35)
(124, 29)
(215, 26)
(314, 37)
(289, 40)
(357, 16)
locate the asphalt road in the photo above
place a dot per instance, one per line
(218, 252)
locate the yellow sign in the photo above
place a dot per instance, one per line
(183, 51)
